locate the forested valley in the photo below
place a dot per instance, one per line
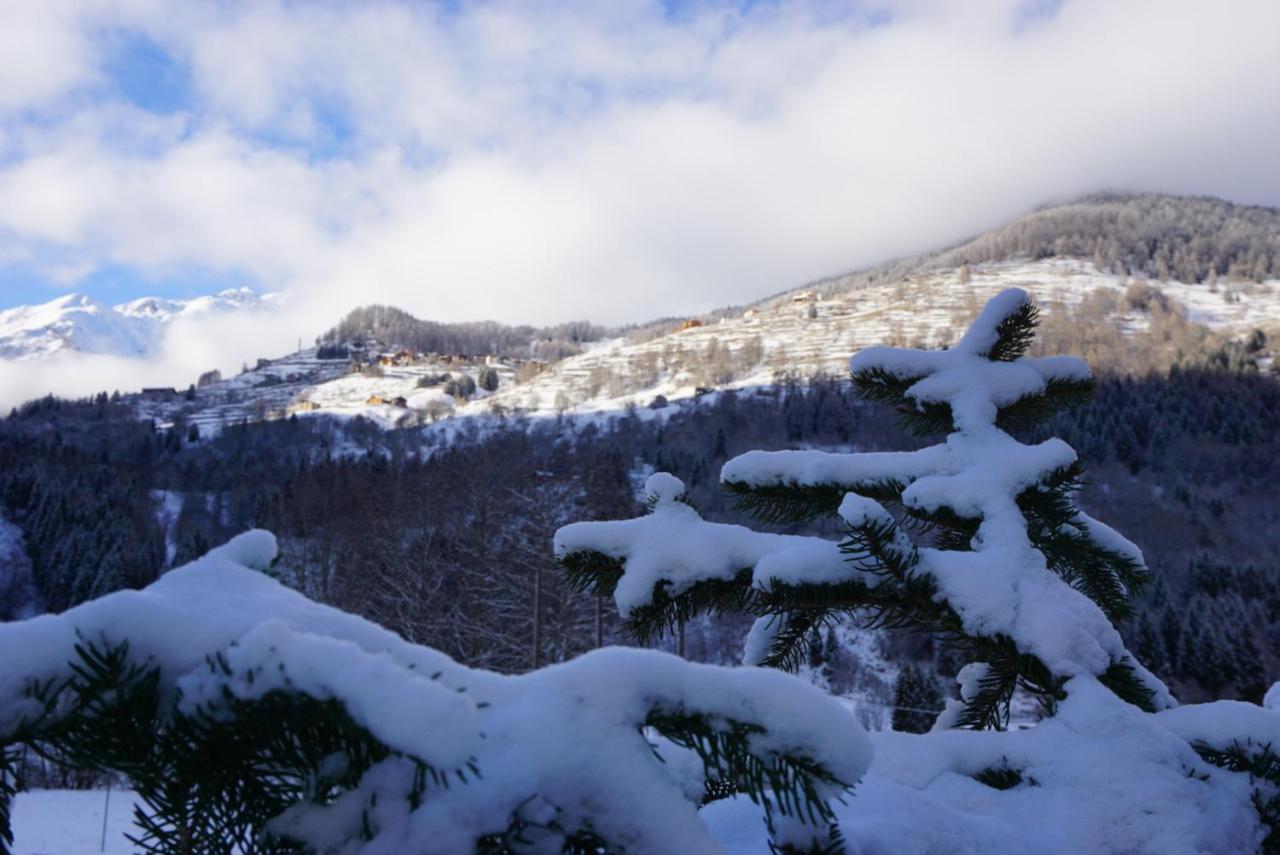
(445, 542)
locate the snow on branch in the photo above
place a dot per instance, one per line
(1015, 569)
(375, 744)
(673, 548)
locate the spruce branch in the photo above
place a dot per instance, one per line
(1059, 394)
(1014, 333)
(796, 503)
(1262, 765)
(1001, 777)
(790, 785)
(664, 613)
(590, 572)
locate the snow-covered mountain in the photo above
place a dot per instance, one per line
(798, 335)
(1131, 283)
(80, 323)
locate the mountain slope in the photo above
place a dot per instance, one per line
(80, 323)
(1120, 324)
(1131, 283)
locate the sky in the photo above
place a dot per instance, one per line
(534, 162)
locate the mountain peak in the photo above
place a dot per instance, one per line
(74, 300)
(78, 322)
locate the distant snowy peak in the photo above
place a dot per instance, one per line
(158, 308)
(77, 322)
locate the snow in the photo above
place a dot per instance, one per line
(1100, 776)
(557, 737)
(674, 545)
(925, 309)
(859, 511)
(817, 468)
(69, 822)
(405, 711)
(963, 377)
(663, 487)
(1221, 723)
(1001, 586)
(78, 322)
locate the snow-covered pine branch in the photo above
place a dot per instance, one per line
(1014, 570)
(979, 539)
(244, 714)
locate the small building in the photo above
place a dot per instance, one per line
(692, 323)
(162, 393)
(400, 401)
(376, 401)
(804, 297)
(303, 407)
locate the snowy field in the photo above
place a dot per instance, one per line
(69, 822)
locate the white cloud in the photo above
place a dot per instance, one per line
(537, 162)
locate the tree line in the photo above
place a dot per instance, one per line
(446, 541)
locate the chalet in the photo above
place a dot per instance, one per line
(692, 323)
(804, 297)
(376, 401)
(702, 390)
(387, 360)
(162, 393)
(303, 407)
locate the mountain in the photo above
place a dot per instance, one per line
(1133, 283)
(77, 322)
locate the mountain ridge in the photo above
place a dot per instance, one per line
(78, 322)
(1108, 263)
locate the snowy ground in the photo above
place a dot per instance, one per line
(69, 822)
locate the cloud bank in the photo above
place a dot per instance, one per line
(536, 162)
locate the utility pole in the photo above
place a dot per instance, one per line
(537, 617)
(599, 622)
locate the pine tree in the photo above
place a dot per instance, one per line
(916, 700)
(985, 545)
(260, 722)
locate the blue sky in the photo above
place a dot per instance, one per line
(536, 161)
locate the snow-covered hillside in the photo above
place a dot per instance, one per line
(799, 335)
(80, 323)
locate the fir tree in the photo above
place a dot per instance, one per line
(916, 700)
(248, 719)
(985, 546)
